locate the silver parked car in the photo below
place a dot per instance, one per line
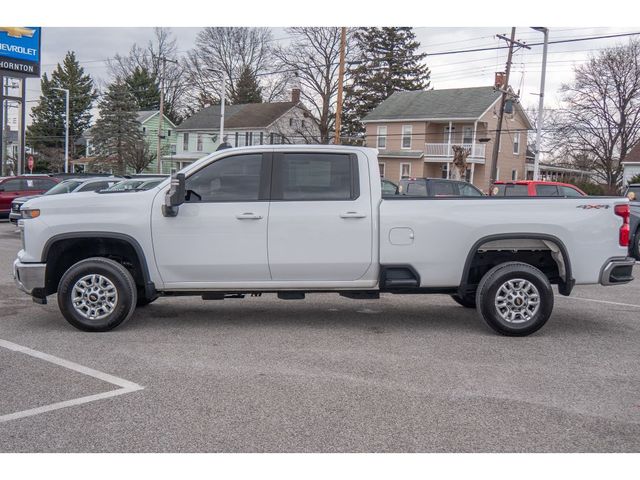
(71, 185)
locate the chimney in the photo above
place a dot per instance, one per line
(499, 80)
(295, 95)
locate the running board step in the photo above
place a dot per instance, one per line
(291, 295)
(361, 295)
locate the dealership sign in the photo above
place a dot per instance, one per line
(20, 50)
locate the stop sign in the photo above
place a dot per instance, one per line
(30, 162)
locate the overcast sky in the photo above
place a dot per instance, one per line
(94, 45)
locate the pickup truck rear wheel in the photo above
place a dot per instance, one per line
(514, 299)
(466, 301)
(97, 294)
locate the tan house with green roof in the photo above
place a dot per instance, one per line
(415, 131)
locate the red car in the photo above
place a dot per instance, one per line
(535, 188)
(21, 185)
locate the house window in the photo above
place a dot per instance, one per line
(445, 171)
(406, 136)
(291, 122)
(405, 170)
(168, 133)
(144, 130)
(467, 135)
(199, 142)
(302, 123)
(516, 143)
(514, 175)
(382, 137)
(381, 166)
(449, 134)
(241, 139)
(185, 142)
(173, 149)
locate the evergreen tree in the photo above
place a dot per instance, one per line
(46, 132)
(144, 88)
(247, 89)
(118, 128)
(388, 62)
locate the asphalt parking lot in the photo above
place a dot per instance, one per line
(326, 374)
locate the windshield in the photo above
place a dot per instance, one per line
(150, 184)
(125, 185)
(64, 187)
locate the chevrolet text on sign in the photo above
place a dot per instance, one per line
(20, 50)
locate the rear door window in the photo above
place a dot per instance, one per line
(546, 190)
(315, 176)
(516, 191)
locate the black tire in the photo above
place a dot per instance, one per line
(466, 301)
(123, 302)
(492, 283)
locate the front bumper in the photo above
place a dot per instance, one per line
(29, 277)
(617, 271)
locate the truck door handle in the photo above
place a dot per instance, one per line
(352, 215)
(248, 216)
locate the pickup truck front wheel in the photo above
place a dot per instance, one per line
(97, 294)
(514, 299)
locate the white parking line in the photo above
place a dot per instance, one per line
(125, 385)
(600, 301)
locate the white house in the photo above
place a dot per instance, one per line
(244, 124)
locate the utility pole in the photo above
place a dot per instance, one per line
(159, 145)
(343, 42)
(4, 140)
(223, 95)
(505, 92)
(536, 162)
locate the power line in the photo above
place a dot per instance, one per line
(568, 40)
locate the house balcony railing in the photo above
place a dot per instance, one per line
(444, 152)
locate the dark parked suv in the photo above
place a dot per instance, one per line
(21, 185)
(437, 187)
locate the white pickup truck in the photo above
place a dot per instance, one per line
(299, 219)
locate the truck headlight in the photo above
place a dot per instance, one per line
(31, 213)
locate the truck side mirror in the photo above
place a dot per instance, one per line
(175, 196)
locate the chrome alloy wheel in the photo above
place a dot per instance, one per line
(94, 296)
(517, 300)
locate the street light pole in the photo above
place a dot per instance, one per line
(222, 100)
(66, 128)
(536, 162)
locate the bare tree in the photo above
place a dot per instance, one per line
(312, 61)
(600, 121)
(150, 58)
(460, 155)
(138, 156)
(230, 50)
